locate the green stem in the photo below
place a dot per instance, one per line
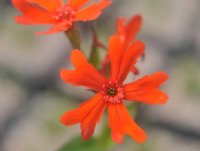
(74, 37)
(94, 56)
(94, 53)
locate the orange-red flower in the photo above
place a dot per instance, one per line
(57, 13)
(111, 92)
(127, 32)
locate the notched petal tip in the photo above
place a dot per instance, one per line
(78, 59)
(139, 44)
(136, 132)
(117, 138)
(137, 18)
(62, 120)
(162, 99)
(141, 138)
(63, 74)
(76, 53)
(18, 19)
(67, 119)
(86, 134)
(164, 76)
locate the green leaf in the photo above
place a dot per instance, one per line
(90, 145)
(103, 143)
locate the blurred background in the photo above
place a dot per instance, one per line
(33, 97)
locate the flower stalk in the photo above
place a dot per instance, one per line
(74, 37)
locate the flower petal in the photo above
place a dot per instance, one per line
(93, 11)
(50, 5)
(128, 32)
(121, 30)
(133, 27)
(115, 55)
(62, 26)
(122, 61)
(130, 57)
(121, 123)
(84, 74)
(146, 89)
(121, 27)
(88, 124)
(149, 96)
(130, 127)
(115, 123)
(32, 14)
(76, 4)
(87, 115)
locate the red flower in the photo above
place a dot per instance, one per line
(111, 92)
(56, 13)
(127, 32)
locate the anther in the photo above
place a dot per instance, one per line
(65, 13)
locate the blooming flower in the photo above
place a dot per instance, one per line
(111, 92)
(127, 32)
(56, 13)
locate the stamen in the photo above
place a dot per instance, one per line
(112, 92)
(65, 13)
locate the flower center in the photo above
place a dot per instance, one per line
(112, 92)
(65, 13)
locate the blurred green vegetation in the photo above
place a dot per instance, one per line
(102, 143)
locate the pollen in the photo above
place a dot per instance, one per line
(65, 13)
(112, 92)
